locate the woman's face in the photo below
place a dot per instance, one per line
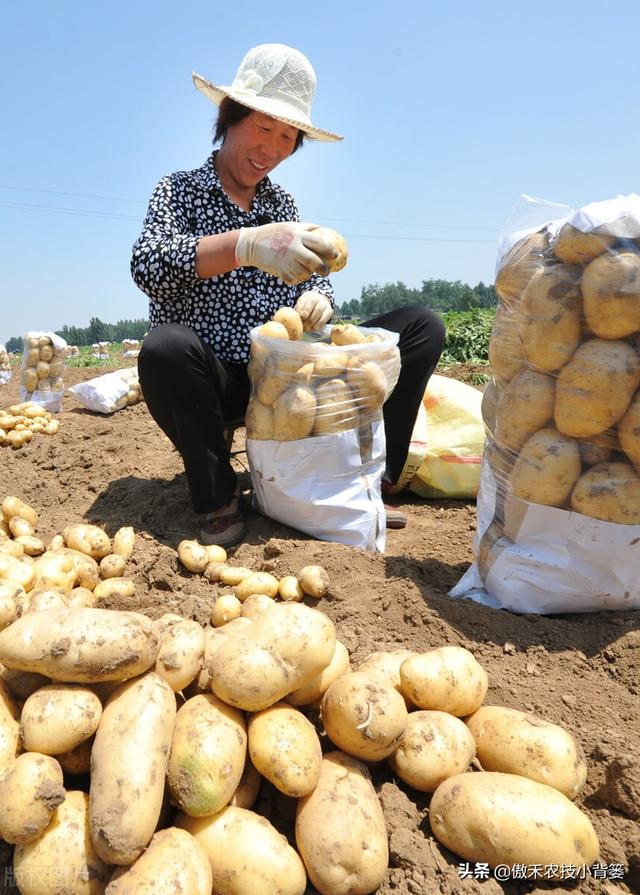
(256, 145)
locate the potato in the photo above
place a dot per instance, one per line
(63, 856)
(80, 645)
(290, 589)
(39, 600)
(336, 408)
(284, 747)
(347, 334)
(13, 548)
(225, 609)
(507, 819)
(256, 583)
(291, 321)
(447, 679)
(181, 653)
(515, 742)
(128, 765)
(551, 328)
(87, 569)
(526, 405)
(247, 855)
(435, 746)
(208, 752)
(124, 541)
(30, 792)
(275, 378)
(254, 605)
(112, 566)
(8, 608)
(174, 862)
(506, 354)
(369, 384)
(87, 539)
(304, 374)
(54, 571)
(340, 829)
(331, 363)
(519, 264)
(19, 527)
(387, 664)
(611, 290)
(364, 715)
(216, 553)
(115, 588)
(247, 792)
(273, 330)
(232, 575)
(31, 545)
(607, 491)
(294, 414)
(313, 691)
(547, 468)
(598, 448)
(339, 244)
(76, 761)
(193, 556)
(9, 728)
(259, 420)
(13, 506)
(595, 388)
(572, 246)
(629, 432)
(314, 581)
(57, 543)
(280, 651)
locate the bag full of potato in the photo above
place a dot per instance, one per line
(315, 434)
(559, 501)
(5, 366)
(42, 373)
(109, 392)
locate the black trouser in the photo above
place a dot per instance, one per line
(190, 394)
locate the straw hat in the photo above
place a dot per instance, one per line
(274, 79)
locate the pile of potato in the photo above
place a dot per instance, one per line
(42, 365)
(563, 411)
(134, 393)
(306, 388)
(5, 366)
(20, 422)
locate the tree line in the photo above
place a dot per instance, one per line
(439, 295)
(97, 331)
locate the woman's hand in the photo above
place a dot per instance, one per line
(315, 310)
(288, 250)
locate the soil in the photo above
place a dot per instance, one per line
(581, 671)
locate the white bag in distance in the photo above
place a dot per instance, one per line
(5, 366)
(42, 373)
(108, 393)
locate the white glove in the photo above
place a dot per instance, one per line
(315, 310)
(288, 250)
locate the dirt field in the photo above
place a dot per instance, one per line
(579, 671)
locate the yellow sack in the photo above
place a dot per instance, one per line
(448, 440)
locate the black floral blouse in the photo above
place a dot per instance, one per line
(222, 310)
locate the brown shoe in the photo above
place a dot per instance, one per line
(226, 529)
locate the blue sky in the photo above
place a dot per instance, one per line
(450, 111)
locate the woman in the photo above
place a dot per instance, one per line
(221, 250)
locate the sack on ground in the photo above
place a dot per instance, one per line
(110, 392)
(42, 372)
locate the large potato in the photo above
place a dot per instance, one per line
(446, 679)
(506, 354)
(364, 715)
(611, 290)
(87, 539)
(551, 310)
(58, 717)
(247, 855)
(284, 747)
(315, 688)
(128, 766)
(63, 858)
(280, 651)
(208, 752)
(547, 468)
(256, 583)
(368, 383)
(340, 829)
(572, 246)
(291, 320)
(607, 491)
(336, 409)
(516, 742)
(519, 264)
(595, 388)
(294, 414)
(525, 406)
(435, 746)
(507, 819)
(80, 645)
(173, 863)
(181, 653)
(30, 792)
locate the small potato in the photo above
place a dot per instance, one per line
(291, 321)
(13, 506)
(115, 588)
(290, 589)
(233, 575)
(87, 539)
(387, 665)
(447, 679)
(284, 747)
(213, 571)
(364, 715)
(215, 553)
(256, 583)
(313, 691)
(347, 334)
(208, 752)
(256, 604)
(273, 330)
(173, 862)
(506, 819)
(31, 545)
(193, 556)
(314, 581)
(57, 543)
(30, 792)
(435, 746)
(181, 653)
(246, 853)
(225, 609)
(340, 829)
(19, 527)
(81, 596)
(124, 541)
(112, 566)
(515, 742)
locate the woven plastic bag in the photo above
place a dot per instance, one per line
(109, 392)
(559, 501)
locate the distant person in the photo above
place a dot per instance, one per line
(220, 251)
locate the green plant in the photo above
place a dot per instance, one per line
(467, 338)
